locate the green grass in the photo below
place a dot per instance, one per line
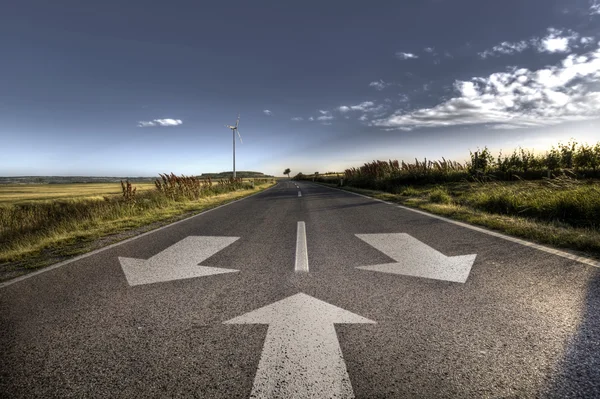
(564, 213)
(38, 232)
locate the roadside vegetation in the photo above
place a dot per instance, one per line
(551, 198)
(38, 232)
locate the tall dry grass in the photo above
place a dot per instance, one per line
(573, 159)
(22, 224)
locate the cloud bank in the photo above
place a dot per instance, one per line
(568, 91)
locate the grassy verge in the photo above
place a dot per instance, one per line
(563, 213)
(38, 234)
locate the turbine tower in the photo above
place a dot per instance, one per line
(234, 129)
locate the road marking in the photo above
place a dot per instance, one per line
(301, 356)
(301, 249)
(179, 261)
(299, 194)
(414, 258)
(553, 251)
(97, 251)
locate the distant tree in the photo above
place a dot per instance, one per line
(287, 172)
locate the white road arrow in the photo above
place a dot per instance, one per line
(301, 357)
(417, 259)
(177, 262)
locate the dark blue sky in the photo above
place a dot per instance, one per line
(139, 87)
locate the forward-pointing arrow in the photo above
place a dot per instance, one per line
(179, 261)
(301, 357)
(413, 258)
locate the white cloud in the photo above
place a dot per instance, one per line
(325, 118)
(595, 7)
(403, 128)
(429, 49)
(379, 84)
(297, 118)
(403, 97)
(586, 40)
(160, 122)
(568, 91)
(505, 48)
(311, 119)
(406, 56)
(365, 106)
(363, 117)
(555, 41)
(267, 112)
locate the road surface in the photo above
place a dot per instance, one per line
(305, 291)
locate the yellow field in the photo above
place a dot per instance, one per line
(15, 193)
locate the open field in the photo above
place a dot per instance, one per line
(18, 193)
(44, 224)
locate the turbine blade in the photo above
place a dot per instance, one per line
(238, 132)
(238, 121)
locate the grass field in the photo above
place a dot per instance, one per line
(44, 224)
(19, 193)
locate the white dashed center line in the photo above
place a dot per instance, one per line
(301, 249)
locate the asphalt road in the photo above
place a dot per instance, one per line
(526, 323)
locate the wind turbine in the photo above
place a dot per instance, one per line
(234, 129)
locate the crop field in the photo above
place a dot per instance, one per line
(18, 193)
(21, 193)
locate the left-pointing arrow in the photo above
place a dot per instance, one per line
(179, 261)
(301, 357)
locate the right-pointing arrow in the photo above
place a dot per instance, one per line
(413, 258)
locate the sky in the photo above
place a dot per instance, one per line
(137, 88)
